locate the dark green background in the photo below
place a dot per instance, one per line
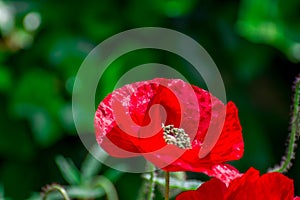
(253, 42)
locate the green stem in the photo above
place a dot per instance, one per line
(167, 186)
(108, 187)
(147, 189)
(286, 162)
(47, 190)
(151, 186)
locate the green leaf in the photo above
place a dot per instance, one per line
(69, 171)
(175, 183)
(84, 193)
(112, 174)
(91, 166)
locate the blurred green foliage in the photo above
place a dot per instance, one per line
(273, 23)
(255, 44)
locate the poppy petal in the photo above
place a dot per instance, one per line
(213, 189)
(274, 186)
(128, 123)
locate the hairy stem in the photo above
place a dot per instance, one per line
(286, 162)
(50, 188)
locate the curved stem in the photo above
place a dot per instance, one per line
(167, 186)
(108, 187)
(50, 188)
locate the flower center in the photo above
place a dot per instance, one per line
(176, 136)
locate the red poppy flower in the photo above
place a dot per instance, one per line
(270, 186)
(175, 125)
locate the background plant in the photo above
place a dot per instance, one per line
(42, 44)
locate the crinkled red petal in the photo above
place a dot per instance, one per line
(128, 122)
(273, 186)
(270, 186)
